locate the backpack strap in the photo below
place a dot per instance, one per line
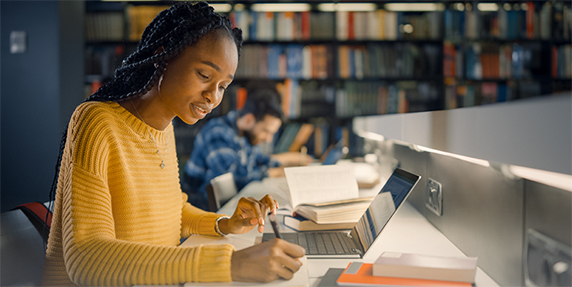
(39, 216)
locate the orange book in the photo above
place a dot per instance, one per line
(344, 62)
(358, 273)
(306, 25)
(302, 137)
(351, 32)
(530, 20)
(240, 98)
(286, 92)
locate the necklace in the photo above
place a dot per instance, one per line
(162, 165)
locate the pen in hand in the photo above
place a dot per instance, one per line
(272, 219)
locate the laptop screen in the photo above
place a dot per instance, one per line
(383, 206)
(334, 154)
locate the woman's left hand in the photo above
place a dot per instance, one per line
(248, 214)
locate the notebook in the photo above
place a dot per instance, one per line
(355, 243)
(300, 278)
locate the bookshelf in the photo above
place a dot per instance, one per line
(334, 65)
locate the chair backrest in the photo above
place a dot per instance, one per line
(222, 189)
(22, 250)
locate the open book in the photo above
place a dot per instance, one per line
(325, 194)
(300, 223)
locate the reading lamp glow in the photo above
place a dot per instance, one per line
(558, 180)
(278, 7)
(398, 7)
(332, 7)
(488, 7)
(370, 135)
(480, 162)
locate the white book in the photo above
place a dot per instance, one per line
(408, 265)
(302, 224)
(325, 194)
(321, 184)
(342, 25)
(307, 62)
(390, 25)
(372, 25)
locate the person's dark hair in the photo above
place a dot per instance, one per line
(262, 101)
(174, 29)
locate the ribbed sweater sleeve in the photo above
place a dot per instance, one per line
(118, 216)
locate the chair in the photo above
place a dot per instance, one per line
(22, 245)
(220, 190)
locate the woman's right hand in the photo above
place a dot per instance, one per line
(267, 261)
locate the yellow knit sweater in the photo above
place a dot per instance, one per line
(119, 216)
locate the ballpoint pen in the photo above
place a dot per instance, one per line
(272, 219)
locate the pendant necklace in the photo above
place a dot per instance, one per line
(152, 137)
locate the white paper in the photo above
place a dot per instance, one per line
(317, 184)
(240, 241)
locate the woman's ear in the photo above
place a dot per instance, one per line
(159, 50)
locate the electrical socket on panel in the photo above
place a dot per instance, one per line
(547, 262)
(434, 196)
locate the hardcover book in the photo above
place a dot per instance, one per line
(408, 265)
(358, 273)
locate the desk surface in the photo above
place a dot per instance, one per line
(408, 231)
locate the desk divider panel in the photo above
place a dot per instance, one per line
(482, 215)
(548, 210)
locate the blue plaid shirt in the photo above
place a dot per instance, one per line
(218, 149)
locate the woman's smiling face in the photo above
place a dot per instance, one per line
(194, 82)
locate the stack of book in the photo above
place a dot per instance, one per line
(323, 197)
(407, 269)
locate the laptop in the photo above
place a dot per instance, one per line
(355, 243)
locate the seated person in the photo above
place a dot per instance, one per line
(232, 143)
(119, 212)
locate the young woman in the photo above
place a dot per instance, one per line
(119, 211)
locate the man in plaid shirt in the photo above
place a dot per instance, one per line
(231, 143)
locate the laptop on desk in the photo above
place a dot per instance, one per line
(355, 243)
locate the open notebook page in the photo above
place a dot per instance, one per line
(240, 241)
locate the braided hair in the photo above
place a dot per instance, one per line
(174, 29)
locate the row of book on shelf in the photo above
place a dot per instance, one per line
(391, 60)
(562, 61)
(105, 26)
(403, 60)
(548, 20)
(540, 20)
(504, 61)
(349, 25)
(352, 98)
(286, 61)
(458, 95)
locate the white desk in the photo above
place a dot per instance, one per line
(408, 231)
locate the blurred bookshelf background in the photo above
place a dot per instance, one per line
(335, 61)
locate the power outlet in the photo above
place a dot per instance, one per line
(547, 262)
(434, 196)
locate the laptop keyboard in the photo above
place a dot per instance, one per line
(321, 243)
